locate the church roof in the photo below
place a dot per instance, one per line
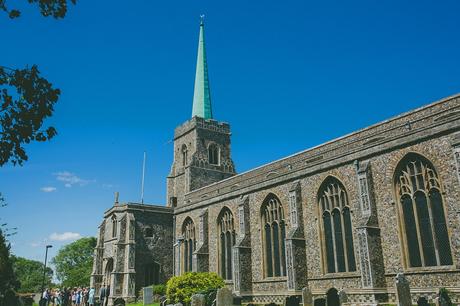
(202, 94)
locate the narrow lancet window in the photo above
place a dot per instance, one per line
(114, 226)
(184, 151)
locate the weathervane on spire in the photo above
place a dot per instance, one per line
(202, 19)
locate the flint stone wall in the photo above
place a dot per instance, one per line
(431, 131)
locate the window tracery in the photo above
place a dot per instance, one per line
(226, 242)
(213, 154)
(337, 237)
(189, 244)
(422, 213)
(274, 234)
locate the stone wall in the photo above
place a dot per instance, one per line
(130, 251)
(157, 248)
(372, 154)
(197, 135)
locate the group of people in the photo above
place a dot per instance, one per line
(68, 297)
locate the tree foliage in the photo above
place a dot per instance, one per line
(30, 274)
(55, 8)
(8, 281)
(74, 262)
(23, 111)
(179, 289)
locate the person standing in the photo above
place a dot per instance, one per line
(65, 297)
(74, 296)
(91, 296)
(78, 297)
(107, 294)
(44, 298)
(102, 293)
(58, 298)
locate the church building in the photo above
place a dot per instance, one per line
(342, 218)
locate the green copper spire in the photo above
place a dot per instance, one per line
(202, 94)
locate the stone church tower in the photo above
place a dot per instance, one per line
(201, 144)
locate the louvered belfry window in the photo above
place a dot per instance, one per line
(213, 154)
(274, 234)
(226, 242)
(337, 235)
(423, 220)
(189, 244)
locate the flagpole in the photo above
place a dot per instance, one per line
(143, 177)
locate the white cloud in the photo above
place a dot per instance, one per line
(64, 236)
(107, 186)
(69, 179)
(48, 189)
(37, 244)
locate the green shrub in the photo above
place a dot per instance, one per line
(444, 295)
(181, 288)
(159, 289)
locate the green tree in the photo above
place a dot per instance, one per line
(8, 281)
(23, 111)
(26, 98)
(55, 8)
(30, 274)
(74, 262)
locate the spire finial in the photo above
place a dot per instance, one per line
(202, 19)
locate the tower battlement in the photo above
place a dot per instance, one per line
(201, 123)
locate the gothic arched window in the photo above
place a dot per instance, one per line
(189, 244)
(226, 242)
(213, 154)
(337, 237)
(274, 233)
(184, 152)
(422, 213)
(114, 226)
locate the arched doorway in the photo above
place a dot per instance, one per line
(108, 273)
(152, 274)
(332, 297)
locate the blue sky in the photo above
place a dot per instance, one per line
(287, 75)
